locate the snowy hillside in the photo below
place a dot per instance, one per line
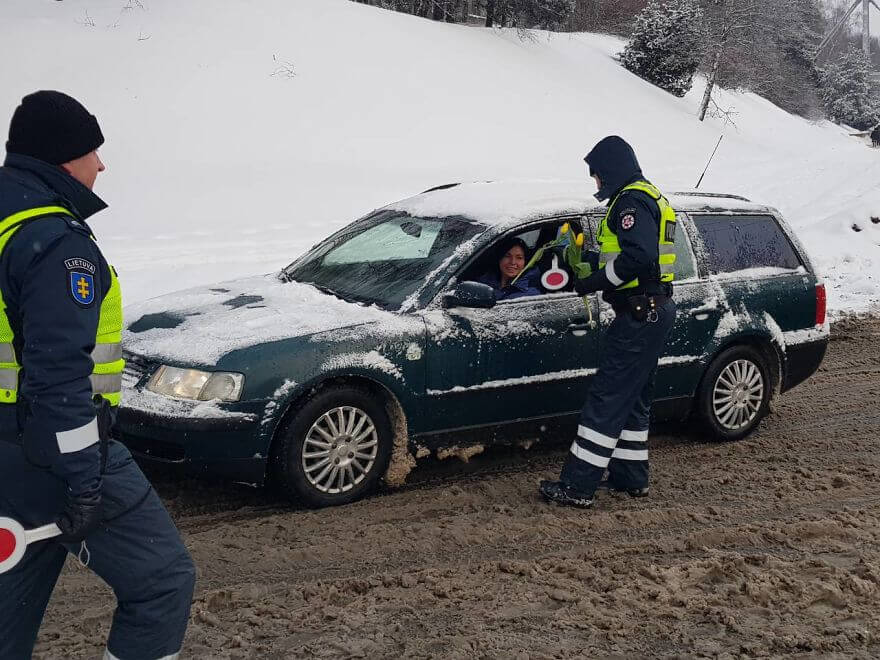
(240, 133)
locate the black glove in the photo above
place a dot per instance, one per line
(80, 517)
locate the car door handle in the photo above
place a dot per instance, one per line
(703, 313)
(580, 329)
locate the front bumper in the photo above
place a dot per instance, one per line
(193, 438)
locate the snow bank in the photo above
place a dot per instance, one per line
(239, 136)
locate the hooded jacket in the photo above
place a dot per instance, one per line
(527, 285)
(634, 217)
(54, 333)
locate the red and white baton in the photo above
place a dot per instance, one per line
(14, 540)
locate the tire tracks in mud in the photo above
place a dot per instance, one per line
(766, 546)
(551, 456)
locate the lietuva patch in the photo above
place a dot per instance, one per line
(82, 287)
(80, 264)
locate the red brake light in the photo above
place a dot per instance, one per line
(821, 304)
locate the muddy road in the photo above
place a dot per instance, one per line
(765, 547)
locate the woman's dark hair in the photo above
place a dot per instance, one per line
(508, 243)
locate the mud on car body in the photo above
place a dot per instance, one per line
(377, 345)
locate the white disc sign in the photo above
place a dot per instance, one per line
(555, 278)
(14, 540)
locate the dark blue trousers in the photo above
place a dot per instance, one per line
(613, 429)
(137, 551)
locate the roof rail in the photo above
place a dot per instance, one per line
(445, 186)
(697, 193)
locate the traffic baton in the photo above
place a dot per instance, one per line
(14, 540)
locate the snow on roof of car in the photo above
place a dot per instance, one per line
(508, 202)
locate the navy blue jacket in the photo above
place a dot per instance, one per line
(634, 218)
(54, 330)
(526, 285)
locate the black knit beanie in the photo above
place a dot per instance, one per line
(53, 127)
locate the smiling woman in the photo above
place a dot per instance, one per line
(383, 258)
(507, 278)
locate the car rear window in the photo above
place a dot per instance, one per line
(741, 242)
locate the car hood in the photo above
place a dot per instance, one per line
(199, 326)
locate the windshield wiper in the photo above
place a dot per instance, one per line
(361, 300)
(331, 292)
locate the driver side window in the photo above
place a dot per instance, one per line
(509, 265)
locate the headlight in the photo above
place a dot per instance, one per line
(196, 385)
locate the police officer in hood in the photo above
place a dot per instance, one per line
(60, 383)
(636, 265)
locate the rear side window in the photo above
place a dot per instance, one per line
(740, 242)
(685, 268)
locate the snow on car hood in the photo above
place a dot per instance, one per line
(199, 326)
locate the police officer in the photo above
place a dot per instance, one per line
(635, 269)
(60, 382)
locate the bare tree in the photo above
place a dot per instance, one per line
(730, 24)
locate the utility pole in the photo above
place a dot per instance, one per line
(866, 27)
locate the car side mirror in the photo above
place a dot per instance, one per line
(471, 294)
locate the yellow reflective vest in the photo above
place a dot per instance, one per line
(106, 377)
(609, 246)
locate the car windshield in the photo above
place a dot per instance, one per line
(383, 258)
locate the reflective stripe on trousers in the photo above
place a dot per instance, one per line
(110, 656)
(597, 445)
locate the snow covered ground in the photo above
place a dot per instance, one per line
(239, 133)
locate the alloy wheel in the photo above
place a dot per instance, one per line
(340, 449)
(737, 394)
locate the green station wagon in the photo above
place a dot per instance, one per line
(377, 346)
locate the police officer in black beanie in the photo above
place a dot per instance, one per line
(60, 384)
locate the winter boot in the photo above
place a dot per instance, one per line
(561, 493)
(632, 492)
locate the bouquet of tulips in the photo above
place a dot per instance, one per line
(572, 252)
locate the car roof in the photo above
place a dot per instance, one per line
(508, 203)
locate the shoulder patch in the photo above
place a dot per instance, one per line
(82, 287)
(79, 264)
(627, 219)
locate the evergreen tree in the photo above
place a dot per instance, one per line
(846, 90)
(666, 44)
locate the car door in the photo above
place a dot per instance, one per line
(521, 359)
(699, 311)
(754, 264)
(700, 307)
(525, 358)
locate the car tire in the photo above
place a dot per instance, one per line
(336, 447)
(735, 393)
